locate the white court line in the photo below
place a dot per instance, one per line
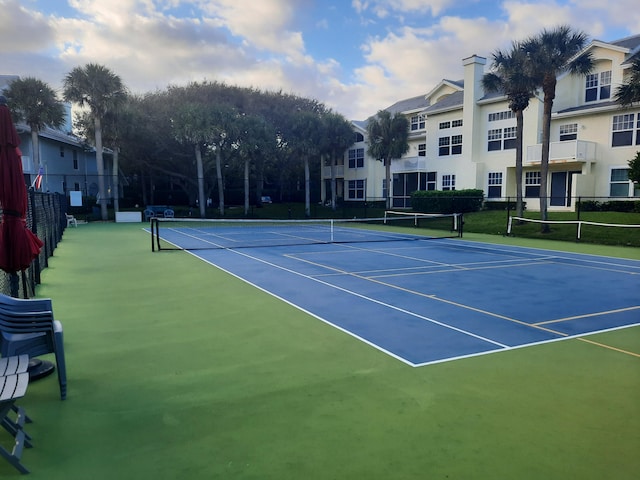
(516, 250)
(359, 295)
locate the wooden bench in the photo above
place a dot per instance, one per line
(14, 380)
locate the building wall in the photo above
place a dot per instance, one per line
(584, 161)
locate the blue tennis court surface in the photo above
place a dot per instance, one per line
(436, 300)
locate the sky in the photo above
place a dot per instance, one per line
(355, 56)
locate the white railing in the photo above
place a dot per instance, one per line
(410, 164)
(569, 151)
(326, 171)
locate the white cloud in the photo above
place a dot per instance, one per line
(153, 43)
(263, 25)
(384, 8)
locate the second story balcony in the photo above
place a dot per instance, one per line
(570, 151)
(339, 169)
(409, 164)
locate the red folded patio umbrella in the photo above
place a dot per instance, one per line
(18, 245)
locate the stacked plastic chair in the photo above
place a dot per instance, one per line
(28, 327)
(14, 380)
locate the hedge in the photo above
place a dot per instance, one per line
(447, 201)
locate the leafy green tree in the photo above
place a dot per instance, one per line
(191, 124)
(388, 140)
(511, 75)
(634, 169)
(34, 102)
(553, 52)
(629, 92)
(115, 124)
(337, 137)
(303, 141)
(98, 88)
(256, 140)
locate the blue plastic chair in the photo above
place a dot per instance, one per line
(28, 326)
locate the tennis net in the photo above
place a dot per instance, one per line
(198, 234)
(577, 229)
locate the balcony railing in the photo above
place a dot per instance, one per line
(410, 164)
(563, 152)
(326, 171)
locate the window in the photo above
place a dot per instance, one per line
(448, 182)
(506, 115)
(456, 123)
(499, 139)
(358, 137)
(532, 184)
(76, 186)
(356, 189)
(619, 186)
(356, 158)
(568, 132)
(443, 146)
(450, 145)
(417, 122)
(624, 131)
(509, 138)
(428, 181)
(75, 160)
(494, 138)
(597, 86)
(495, 185)
(456, 145)
(444, 125)
(422, 150)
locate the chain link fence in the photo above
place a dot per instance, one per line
(46, 218)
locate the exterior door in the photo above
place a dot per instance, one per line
(559, 189)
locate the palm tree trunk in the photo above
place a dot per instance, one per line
(246, 186)
(519, 129)
(220, 182)
(387, 179)
(544, 162)
(259, 181)
(333, 183)
(307, 186)
(100, 168)
(114, 173)
(35, 147)
(200, 173)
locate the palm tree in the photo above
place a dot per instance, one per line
(629, 92)
(553, 52)
(34, 102)
(190, 123)
(257, 139)
(98, 88)
(303, 140)
(388, 139)
(337, 134)
(511, 75)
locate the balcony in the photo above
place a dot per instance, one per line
(571, 151)
(326, 171)
(409, 164)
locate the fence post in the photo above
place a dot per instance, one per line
(508, 215)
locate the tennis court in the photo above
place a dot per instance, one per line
(426, 301)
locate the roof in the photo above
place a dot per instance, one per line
(449, 102)
(415, 103)
(632, 43)
(591, 106)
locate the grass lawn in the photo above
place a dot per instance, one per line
(178, 370)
